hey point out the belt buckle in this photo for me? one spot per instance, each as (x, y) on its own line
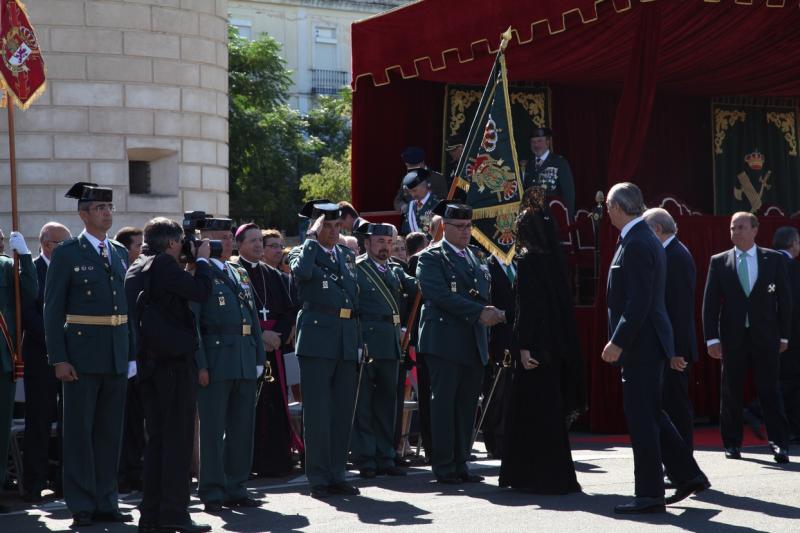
(396, 320)
(245, 330)
(344, 313)
(115, 320)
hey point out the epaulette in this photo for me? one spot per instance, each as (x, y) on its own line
(361, 258)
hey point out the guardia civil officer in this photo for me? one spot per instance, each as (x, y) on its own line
(230, 358)
(88, 342)
(380, 284)
(327, 346)
(453, 338)
(549, 170)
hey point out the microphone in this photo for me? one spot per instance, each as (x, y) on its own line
(597, 212)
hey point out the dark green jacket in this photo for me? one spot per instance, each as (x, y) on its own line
(224, 351)
(321, 282)
(379, 297)
(424, 215)
(79, 284)
(28, 288)
(455, 291)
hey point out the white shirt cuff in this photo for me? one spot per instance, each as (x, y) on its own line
(203, 259)
(712, 342)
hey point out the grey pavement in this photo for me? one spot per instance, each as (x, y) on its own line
(751, 495)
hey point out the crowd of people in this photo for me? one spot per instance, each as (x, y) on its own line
(160, 355)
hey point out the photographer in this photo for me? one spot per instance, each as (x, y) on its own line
(166, 338)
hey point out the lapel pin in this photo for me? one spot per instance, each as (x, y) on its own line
(771, 287)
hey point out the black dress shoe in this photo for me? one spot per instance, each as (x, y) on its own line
(779, 453)
(244, 501)
(148, 527)
(733, 453)
(470, 478)
(213, 507)
(449, 480)
(343, 488)
(319, 491)
(693, 486)
(34, 496)
(191, 527)
(641, 506)
(392, 471)
(111, 516)
(367, 473)
(82, 519)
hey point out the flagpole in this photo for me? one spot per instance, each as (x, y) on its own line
(12, 161)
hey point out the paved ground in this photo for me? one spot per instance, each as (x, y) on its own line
(752, 495)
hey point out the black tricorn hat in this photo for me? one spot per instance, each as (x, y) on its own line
(416, 177)
(413, 155)
(84, 191)
(315, 208)
(542, 132)
(373, 229)
(446, 209)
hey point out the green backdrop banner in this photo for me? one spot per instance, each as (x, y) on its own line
(756, 163)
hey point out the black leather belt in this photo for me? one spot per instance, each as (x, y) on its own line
(340, 312)
(240, 329)
(392, 319)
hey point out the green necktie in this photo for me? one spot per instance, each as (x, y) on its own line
(510, 273)
(744, 274)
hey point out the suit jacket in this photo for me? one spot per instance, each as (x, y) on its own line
(555, 176)
(34, 350)
(680, 298)
(27, 285)
(503, 297)
(325, 283)
(455, 292)
(768, 308)
(790, 359)
(228, 354)
(637, 314)
(380, 296)
(78, 283)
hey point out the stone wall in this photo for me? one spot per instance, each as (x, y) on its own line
(135, 79)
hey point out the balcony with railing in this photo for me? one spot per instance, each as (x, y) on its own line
(328, 81)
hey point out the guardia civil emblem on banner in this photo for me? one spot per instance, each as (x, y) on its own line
(21, 64)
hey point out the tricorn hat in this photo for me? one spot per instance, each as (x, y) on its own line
(379, 229)
(447, 209)
(416, 177)
(89, 192)
(315, 208)
(413, 155)
(542, 132)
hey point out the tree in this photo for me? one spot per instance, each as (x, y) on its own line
(331, 182)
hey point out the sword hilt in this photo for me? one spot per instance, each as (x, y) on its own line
(268, 377)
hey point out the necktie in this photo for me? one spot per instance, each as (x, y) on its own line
(333, 255)
(461, 253)
(510, 273)
(381, 268)
(103, 253)
(744, 274)
(538, 162)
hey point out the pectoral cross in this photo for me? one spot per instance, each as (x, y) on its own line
(263, 312)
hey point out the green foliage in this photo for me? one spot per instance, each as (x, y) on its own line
(330, 123)
(331, 182)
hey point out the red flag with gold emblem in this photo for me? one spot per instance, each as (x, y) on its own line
(21, 62)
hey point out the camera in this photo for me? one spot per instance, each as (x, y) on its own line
(194, 221)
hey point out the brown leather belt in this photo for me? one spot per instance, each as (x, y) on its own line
(97, 320)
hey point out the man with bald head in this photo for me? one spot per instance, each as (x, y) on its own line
(42, 389)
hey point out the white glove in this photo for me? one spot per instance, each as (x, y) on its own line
(259, 370)
(131, 369)
(17, 243)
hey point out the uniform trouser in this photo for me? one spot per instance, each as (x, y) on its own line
(654, 439)
(454, 400)
(227, 420)
(424, 398)
(133, 440)
(676, 402)
(765, 363)
(93, 410)
(329, 387)
(372, 442)
(7, 389)
(169, 399)
(41, 410)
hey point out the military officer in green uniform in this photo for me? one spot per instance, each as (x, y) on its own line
(230, 358)
(549, 171)
(380, 284)
(419, 211)
(453, 338)
(8, 332)
(88, 342)
(327, 346)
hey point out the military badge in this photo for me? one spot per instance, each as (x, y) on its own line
(221, 301)
(771, 288)
(494, 174)
(453, 286)
(325, 284)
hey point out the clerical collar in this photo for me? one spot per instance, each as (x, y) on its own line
(248, 263)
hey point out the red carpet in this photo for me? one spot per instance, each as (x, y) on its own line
(707, 436)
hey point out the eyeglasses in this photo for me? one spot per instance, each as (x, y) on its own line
(57, 243)
(274, 246)
(460, 227)
(101, 207)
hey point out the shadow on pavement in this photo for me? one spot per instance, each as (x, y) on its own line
(380, 512)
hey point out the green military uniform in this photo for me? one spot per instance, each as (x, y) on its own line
(327, 346)
(423, 216)
(379, 286)
(230, 349)
(454, 344)
(28, 288)
(85, 323)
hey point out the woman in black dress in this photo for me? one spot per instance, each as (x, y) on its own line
(547, 391)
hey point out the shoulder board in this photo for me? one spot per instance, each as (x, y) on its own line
(69, 242)
(361, 258)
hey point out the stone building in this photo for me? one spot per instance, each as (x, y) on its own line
(136, 100)
(315, 35)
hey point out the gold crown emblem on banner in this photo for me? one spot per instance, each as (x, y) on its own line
(754, 160)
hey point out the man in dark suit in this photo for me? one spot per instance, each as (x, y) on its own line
(679, 299)
(747, 313)
(787, 241)
(42, 389)
(641, 341)
(166, 380)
